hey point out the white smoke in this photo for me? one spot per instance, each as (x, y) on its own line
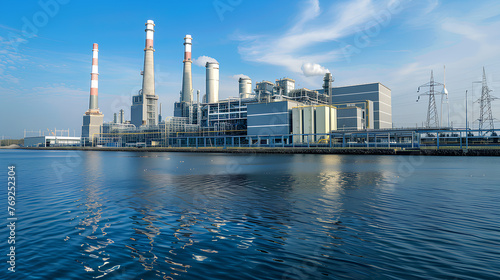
(202, 60)
(313, 69)
(238, 76)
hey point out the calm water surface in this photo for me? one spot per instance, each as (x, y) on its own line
(121, 215)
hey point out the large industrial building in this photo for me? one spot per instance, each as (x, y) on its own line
(51, 141)
(376, 93)
(277, 110)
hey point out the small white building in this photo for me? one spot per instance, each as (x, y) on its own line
(51, 141)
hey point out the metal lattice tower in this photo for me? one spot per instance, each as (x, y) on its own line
(432, 112)
(486, 116)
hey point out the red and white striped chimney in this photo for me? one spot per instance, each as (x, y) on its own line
(93, 106)
(187, 81)
(187, 47)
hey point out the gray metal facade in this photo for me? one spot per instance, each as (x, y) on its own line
(376, 92)
(269, 118)
(349, 118)
(137, 111)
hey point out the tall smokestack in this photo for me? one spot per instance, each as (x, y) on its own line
(93, 105)
(122, 116)
(212, 91)
(93, 118)
(327, 86)
(148, 79)
(187, 81)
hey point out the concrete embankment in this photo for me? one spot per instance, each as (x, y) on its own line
(278, 150)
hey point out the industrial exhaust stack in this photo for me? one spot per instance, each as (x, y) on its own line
(327, 86)
(212, 90)
(148, 78)
(122, 116)
(93, 118)
(93, 105)
(187, 82)
(145, 105)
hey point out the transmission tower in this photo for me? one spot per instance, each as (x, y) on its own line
(432, 113)
(486, 116)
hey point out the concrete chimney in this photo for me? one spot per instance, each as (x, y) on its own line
(144, 110)
(212, 91)
(187, 81)
(148, 78)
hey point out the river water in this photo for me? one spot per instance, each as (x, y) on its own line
(133, 215)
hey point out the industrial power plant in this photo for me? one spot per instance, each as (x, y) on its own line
(275, 114)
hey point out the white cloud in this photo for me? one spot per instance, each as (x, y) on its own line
(202, 60)
(292, 49)
(461, 28)
(9, 59)
(311, 11)
(238, 76)
(431, 6)
(313, 69)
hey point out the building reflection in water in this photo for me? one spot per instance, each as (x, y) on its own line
(145, 199)
(92, 226)
(187, 210)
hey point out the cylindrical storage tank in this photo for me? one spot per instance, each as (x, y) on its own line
(212, 90)
(245, 87)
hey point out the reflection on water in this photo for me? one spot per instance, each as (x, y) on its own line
(217, 216)
(94, 258)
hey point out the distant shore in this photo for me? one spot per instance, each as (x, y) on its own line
(13, 146)
(474, 151)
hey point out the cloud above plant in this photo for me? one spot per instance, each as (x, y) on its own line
(202, 60)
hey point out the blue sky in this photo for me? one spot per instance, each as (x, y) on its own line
(45, 70)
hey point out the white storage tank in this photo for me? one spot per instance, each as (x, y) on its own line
(245, 87)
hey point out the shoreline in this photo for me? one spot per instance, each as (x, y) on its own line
(280, 150)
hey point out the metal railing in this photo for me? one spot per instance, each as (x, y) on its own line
(406, 139)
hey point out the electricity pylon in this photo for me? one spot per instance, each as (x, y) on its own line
(432, 113)
(485, 116)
